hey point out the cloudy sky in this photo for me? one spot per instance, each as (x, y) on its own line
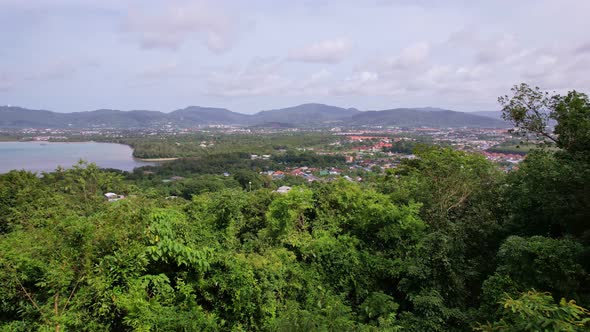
(78, 55)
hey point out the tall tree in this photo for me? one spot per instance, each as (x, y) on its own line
(532, 109)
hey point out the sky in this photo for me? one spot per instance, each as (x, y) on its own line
(252, 55)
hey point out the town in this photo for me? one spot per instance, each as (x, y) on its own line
(364, 150)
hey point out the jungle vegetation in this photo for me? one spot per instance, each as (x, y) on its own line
(445, 242)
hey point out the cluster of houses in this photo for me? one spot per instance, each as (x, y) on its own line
(476, 140)
(47, 138)
(382, 142)
(379, 146)
(503, 157)
(309, 173)
(205, 144)
(263, 157)
(470, 139)
(173, 178)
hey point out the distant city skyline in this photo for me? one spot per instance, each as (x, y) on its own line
(248, 56)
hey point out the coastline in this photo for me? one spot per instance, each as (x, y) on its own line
(92, 141)
(43, 156)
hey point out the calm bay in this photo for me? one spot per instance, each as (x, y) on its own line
(46, 156)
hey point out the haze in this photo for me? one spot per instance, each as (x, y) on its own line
(70, 55)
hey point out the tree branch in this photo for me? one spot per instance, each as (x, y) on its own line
(30, 298)
(71, 294)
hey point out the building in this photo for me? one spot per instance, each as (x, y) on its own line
(278, 175)
(283, 190)
(112, 197)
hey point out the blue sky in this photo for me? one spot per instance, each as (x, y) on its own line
(76, 55)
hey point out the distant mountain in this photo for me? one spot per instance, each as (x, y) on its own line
(273, 125)
(18, 117)
(489, 114)
(106, 118)
(498, 115)
(429, 109)
(196, 115)
(306, 115)
(409, 117)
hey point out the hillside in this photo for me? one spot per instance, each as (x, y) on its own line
(305, 115)
(407, 117)
(114, 118)
(196, 115)
(489, 114)
(18, 117)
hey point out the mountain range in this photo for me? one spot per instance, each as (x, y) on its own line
(490, 114)
(305, 115)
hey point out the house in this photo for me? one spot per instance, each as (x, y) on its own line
(335, 171)
(311, 178)
(112, 197)
(382, 145)
(283, 189)
(278, 175)
(297, 172)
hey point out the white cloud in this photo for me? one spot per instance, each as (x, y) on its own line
(6, 81)
(326, 51)
(367, 76)
(492, 51)
(258, 77)
(314, 84)
(413, 55)
(411, 59)
(417, 71)
(61, 69)
(413, 71)
(469, 72)
(160, 71)
(583, 49)
(180, 22)
(320, 76)
(487, 47)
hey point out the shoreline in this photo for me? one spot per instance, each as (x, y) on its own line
(92, 141)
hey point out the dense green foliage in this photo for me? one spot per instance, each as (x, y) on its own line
(208, 144)
(534, 311)
(445, 242)
(514, 147)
